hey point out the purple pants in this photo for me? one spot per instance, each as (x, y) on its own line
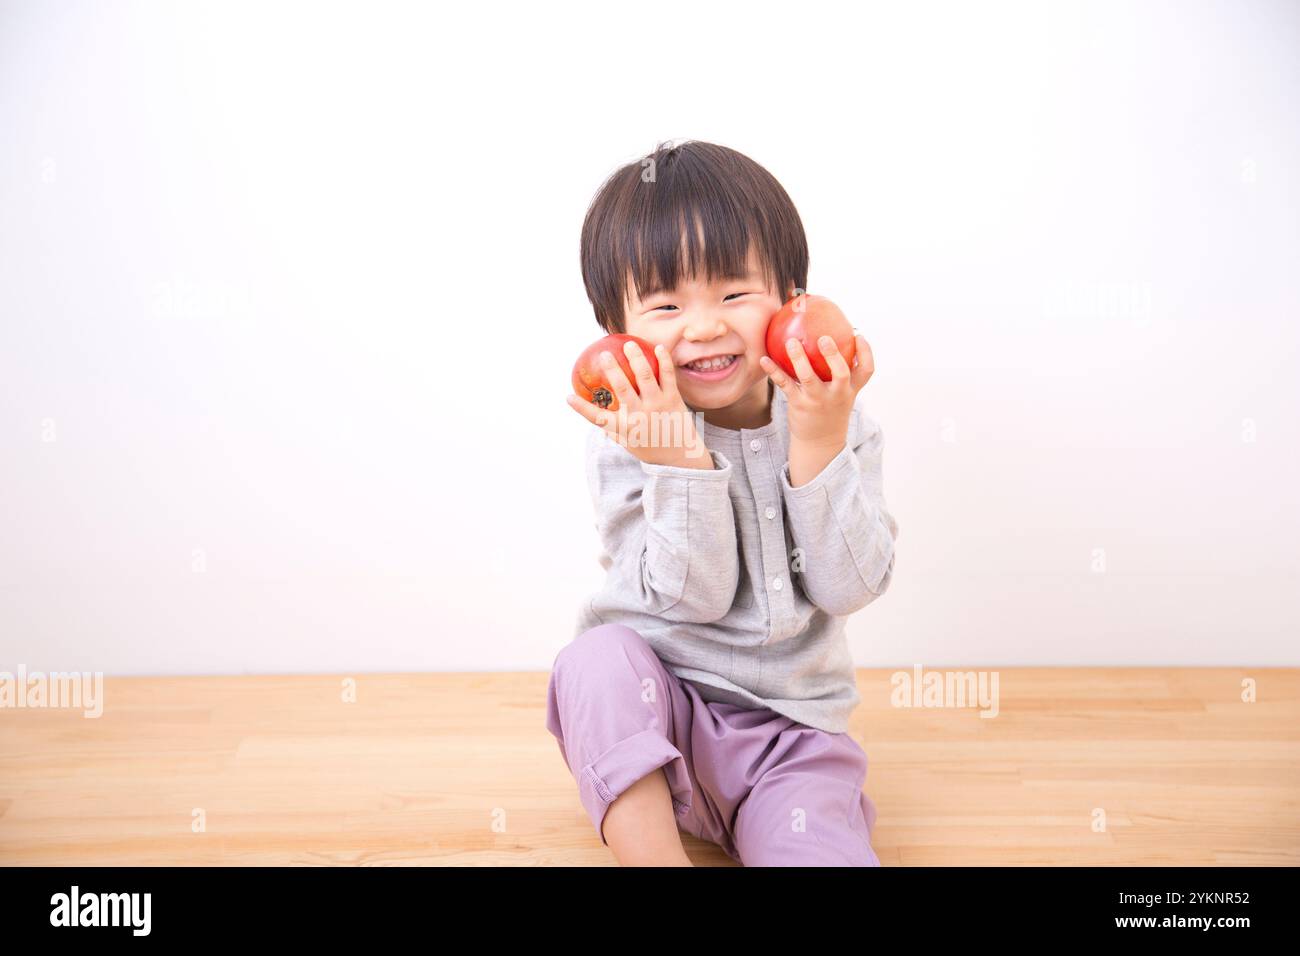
(767, 789)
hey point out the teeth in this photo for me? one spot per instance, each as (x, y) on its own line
(710, 364)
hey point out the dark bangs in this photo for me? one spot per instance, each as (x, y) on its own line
(683, 211)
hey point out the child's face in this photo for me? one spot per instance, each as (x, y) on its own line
(700, 319)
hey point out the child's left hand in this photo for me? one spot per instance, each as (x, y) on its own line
(819, 412)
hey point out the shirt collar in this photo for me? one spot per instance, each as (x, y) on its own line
(715, 435)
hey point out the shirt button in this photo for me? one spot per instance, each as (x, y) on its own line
(756, 444)
(770, 512)
(776, 584)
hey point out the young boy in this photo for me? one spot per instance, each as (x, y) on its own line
(709, 684)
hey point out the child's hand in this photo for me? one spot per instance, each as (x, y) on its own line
(818, 412)
(654, 425)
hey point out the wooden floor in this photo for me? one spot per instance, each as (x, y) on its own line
(459, 769)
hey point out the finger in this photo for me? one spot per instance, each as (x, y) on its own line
(803, 369)
(645, 376)
(667, 372)
(834, 359)
(591, 412)
(864, 363)
(613, 424)
(618, 382)
(774, 372)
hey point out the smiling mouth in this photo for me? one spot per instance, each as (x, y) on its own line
(715, 364)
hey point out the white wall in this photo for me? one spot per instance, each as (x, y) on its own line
(285, 290)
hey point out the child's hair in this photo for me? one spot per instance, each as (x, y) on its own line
(638, 221)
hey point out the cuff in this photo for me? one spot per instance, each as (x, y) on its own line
(721, 470)
(623, 764)
(834, 467)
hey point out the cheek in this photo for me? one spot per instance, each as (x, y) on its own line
(659, 335)
(754, 329)
(650, 331)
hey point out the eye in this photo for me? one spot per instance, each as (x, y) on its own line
(657, 308)
(734, 293)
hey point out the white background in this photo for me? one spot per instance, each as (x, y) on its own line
(289, 297)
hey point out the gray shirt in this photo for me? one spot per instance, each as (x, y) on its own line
(740, 582)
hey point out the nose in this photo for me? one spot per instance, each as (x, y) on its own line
(703, 329)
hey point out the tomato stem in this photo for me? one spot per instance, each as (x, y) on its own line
(602, 397)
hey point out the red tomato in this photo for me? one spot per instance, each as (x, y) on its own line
(807, 318)
(589, 380)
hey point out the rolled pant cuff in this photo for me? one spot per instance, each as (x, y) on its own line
(622, 765)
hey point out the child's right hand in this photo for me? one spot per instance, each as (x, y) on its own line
(652, 420)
